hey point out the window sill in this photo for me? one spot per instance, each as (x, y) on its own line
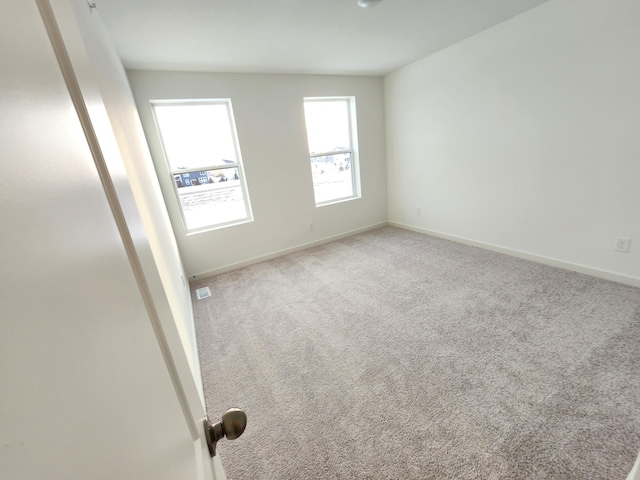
(337, 200)
(220, 226)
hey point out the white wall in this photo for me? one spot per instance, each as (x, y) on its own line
(526, 136)
(270, 122)
(114, 92)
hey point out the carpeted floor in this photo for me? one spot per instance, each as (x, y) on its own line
(395, 355)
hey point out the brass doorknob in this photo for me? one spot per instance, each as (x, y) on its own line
(232, 425)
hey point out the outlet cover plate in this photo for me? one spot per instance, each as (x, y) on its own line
(622, 244)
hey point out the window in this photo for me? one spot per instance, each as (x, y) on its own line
(201, 147)
(331, 127)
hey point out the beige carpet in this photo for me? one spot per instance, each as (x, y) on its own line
(394, 355)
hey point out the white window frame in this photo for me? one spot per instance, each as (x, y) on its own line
(237, 164)
(353, 149)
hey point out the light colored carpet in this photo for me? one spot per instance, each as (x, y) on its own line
(395, 355)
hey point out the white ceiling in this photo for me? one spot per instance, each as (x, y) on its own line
(294, 36)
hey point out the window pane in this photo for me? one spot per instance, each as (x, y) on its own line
(327, 125)
(210, 199)
(196, 135)
(329, 132)
(200, 145)
(332, 177)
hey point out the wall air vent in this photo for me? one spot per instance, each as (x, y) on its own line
(203, 292)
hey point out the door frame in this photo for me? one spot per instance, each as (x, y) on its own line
(61, 19)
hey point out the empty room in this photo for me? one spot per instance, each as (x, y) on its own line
(360, 239)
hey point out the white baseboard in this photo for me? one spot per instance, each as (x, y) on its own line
(616, 277)
(280, 253)
(634, 474)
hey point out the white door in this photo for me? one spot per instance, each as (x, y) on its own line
(95, 383)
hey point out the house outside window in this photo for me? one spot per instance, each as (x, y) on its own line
(201, 147)
(332, 141)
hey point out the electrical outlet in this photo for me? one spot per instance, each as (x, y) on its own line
(418, 211)
(311, 226)
(622, 244)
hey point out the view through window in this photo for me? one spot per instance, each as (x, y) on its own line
(331, 135)
(201, 148)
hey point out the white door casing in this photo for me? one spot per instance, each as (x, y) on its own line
(96, 383)
(108, 74)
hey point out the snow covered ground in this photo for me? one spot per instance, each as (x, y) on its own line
(223, 202)
(212, 204)
(331, 181)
